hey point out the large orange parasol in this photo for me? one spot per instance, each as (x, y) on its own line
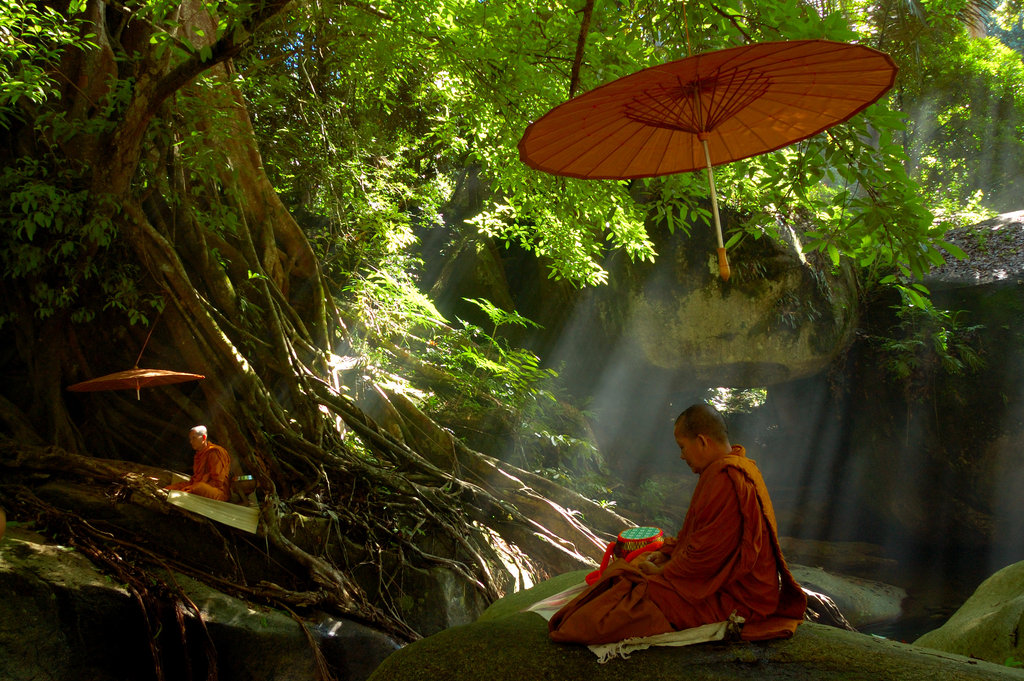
(708, 109)
(134, 379)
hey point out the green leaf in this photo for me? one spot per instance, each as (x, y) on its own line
(833, 254)
(915, 299)
(934, 257)
(953, 250)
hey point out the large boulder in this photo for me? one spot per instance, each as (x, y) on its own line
(946, 435)
(779, 317)
(894, 448)
(989, 624)
(512, 645)
(862, 602)
(63, 620)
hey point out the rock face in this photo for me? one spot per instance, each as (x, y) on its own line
(515, 647)
(988, 626)
(862, 601)
(949, 440)
(63, 620)
(890, 448)
(778, 318)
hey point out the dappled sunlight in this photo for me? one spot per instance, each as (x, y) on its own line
(842, 467)
(728, 400)
(511, 558)
(331, 627)
(333, 213)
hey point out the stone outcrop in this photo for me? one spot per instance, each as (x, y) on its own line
(779, 317)
(988, 626)
(63, 620)
(514, 646)
(948, 438)
(862, 601)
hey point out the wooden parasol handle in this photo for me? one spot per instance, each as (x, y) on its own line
(723, 262)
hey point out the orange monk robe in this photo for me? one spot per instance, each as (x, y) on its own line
(725, 559)
(211, 473)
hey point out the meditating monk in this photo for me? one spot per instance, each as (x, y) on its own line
(726, 558)
(211, 468)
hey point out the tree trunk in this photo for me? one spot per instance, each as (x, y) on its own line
(244, 303)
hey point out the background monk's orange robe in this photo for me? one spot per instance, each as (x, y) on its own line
(211, 473)
(725, 559)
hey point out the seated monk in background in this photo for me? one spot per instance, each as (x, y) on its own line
(211, 468)
(726, 558)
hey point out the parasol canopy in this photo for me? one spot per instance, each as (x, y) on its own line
(706, 110)
(134, 379)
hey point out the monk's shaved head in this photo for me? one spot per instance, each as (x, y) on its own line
(702, 419)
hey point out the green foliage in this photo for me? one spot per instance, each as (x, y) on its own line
(54, 241)
(58, 236)
(470, 376)
(369, 116)
(391, 304)
(500, 317)
(736, 400)
(967, 123)
(439, 87)
(1007, 24)
(344, 137)
(428, 90)
(488, 366)
(927, 340)
(32, 40)
(375, 118)
(952, 213)
(479, 364)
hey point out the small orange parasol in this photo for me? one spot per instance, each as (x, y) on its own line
(708, 109)
(134, 379)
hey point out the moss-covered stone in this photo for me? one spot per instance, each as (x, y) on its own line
(516, 648)
(988, 624)
(507, 644)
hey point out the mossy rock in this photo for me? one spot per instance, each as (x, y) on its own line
(988, 625)
(514, 603)
(508, 644)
